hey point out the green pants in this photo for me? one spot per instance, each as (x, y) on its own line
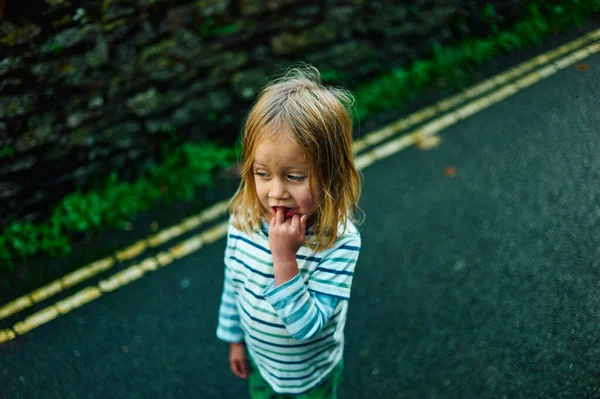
(260, 389)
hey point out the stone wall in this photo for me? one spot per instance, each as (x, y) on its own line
(87, 87)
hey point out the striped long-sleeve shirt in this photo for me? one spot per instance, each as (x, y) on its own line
(294, 332)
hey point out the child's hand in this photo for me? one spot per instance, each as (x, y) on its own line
(286, 236)
(238, 359)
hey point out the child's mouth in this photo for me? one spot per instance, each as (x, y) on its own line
(289, 212)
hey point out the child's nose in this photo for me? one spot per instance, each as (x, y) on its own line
(278, 190)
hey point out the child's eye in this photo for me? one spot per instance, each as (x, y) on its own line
(261, 174)
(296, 178)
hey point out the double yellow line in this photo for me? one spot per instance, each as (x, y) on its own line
(502, 84)
(118, 279)
(440, 116)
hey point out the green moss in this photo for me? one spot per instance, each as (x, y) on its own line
(210, 28)
(57, 2)
(20, 35)
(158, 50)
(7, 151)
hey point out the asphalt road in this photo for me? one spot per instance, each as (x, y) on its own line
(485, 284)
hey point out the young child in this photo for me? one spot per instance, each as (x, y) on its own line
(292, 246)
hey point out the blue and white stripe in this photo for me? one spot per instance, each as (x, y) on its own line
(294, 332)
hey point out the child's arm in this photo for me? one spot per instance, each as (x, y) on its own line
(304, 313)
(228, 328)
(306, 308)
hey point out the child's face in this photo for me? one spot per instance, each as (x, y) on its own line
(281, 179)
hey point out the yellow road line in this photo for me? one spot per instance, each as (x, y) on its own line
(435, 126)
(6, 335)
(134, 272)
(444, 105)
(115, 281)
(55, 287)
(86, 272)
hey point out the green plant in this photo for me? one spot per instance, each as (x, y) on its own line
(452, 64)
(210, 28)
(509, 41)
(7, 151)
(56, 48)
(225, 29)
(183, 171)
(421, 73)
(488, 13)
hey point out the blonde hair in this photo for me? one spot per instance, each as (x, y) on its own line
(317, 118)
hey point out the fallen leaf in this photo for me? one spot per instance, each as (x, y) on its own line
(427, 143)
(582, 67)
(450, 171)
